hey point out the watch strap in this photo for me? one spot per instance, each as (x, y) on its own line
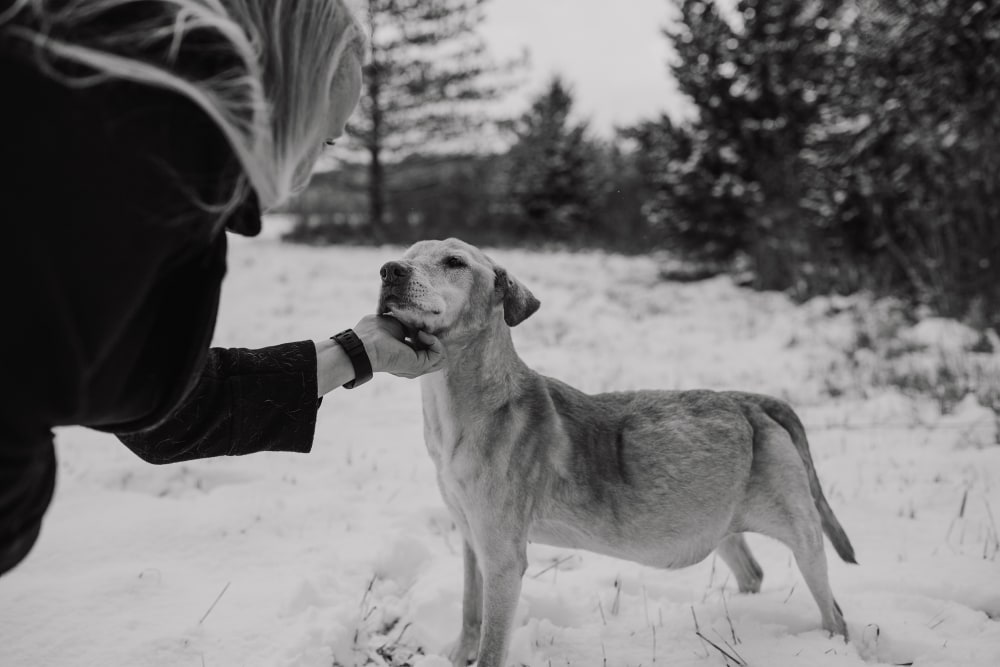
(355, 350)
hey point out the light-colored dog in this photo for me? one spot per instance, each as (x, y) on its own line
(658, 477)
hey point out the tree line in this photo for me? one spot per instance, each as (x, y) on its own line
(836, 145)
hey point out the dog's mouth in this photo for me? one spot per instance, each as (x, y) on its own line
(407, 313)
(411, 319)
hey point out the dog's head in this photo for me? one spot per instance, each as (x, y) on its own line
(450, 288)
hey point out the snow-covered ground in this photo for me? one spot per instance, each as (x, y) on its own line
(347, 556)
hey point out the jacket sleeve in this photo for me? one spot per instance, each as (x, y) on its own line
(244, 401)
(27, 481)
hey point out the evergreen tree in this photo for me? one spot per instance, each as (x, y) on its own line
(911, 152)
(427, 70)
(731, 179)
(552, 180)
(618, 219)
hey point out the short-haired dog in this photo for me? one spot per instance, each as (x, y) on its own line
(661, 478)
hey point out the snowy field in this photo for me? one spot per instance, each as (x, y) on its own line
(347, 556)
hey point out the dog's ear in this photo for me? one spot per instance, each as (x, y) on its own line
(518, 301)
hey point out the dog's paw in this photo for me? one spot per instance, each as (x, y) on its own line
(464, 650)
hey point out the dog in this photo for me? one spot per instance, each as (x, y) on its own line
(661, 478)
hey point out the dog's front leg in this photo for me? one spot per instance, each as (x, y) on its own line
(502, 569)
(466, 647)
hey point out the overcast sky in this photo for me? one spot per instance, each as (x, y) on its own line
(612, 52)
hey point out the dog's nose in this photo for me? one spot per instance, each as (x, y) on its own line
(394, 271)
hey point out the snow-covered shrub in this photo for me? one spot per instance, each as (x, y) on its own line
(930, 356)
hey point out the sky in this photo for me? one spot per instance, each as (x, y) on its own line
(613, 54)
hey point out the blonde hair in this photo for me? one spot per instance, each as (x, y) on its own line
(271, 98)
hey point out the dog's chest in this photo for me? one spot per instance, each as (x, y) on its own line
(442, 431)
(455, 472)
(447, 436)
(456, 445)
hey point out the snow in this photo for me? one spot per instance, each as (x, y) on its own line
(347, 556)
(941, 332)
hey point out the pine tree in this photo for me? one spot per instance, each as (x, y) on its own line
(912, 152)
(552, 180)
(731, 178)
(427, 74)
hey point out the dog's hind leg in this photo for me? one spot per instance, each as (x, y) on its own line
(779, 504)
(799, 528)
(811, 559)
(465, 650)
(733, 550)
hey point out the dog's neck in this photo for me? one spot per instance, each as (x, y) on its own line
(483, 368)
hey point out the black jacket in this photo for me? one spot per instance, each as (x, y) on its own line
(110, 271)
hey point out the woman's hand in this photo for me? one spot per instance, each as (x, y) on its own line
(390, 352)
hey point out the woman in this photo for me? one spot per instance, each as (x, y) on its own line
(135, 133)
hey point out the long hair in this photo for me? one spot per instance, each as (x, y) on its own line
(269, 86)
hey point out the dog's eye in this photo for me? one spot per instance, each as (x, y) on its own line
(454, 262)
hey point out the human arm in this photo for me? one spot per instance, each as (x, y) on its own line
(249, 401)
(244, 401)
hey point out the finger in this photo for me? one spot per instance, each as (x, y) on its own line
(431, 342)
(416, 344)
(434, 354)
(419, 348)
(436, 363)
(392, 326)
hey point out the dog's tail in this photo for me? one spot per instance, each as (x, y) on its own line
(782, 413)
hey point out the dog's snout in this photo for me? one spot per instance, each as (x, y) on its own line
(394, 271)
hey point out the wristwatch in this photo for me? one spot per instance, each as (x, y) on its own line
(355, 350)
